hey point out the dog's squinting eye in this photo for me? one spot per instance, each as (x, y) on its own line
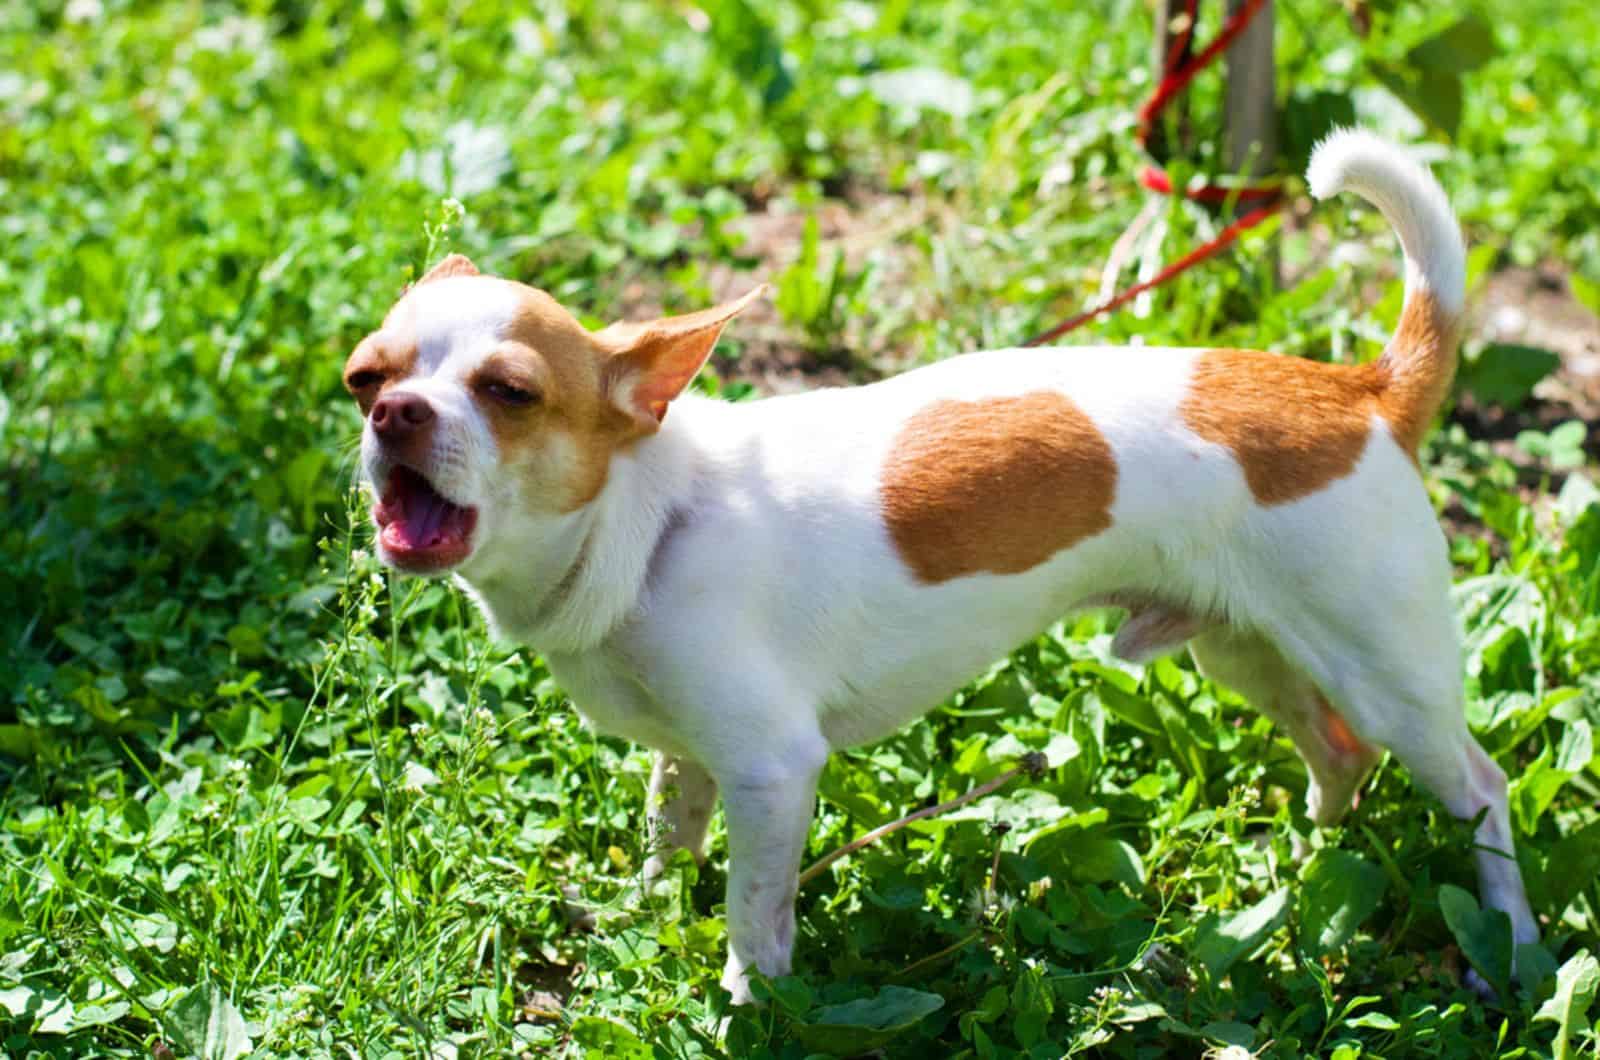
(508, 394)
(362, 380)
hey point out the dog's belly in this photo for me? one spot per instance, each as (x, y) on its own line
(929, 642)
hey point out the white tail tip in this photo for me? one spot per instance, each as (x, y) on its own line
(1406, 193)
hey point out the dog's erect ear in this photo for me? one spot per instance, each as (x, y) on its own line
(453, 265)
(651, 363)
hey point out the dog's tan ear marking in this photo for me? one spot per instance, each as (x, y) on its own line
(452, 265)
(652, 363)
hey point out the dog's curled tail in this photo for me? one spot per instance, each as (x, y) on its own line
(1420, 360)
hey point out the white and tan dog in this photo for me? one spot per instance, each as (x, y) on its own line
(748, 587)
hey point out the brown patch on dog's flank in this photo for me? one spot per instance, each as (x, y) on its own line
(1293, 425)
(996, 486)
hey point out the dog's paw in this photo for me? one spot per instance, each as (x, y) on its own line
(737, 983)
(738, 986)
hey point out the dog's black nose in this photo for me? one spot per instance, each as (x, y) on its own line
(397, 416)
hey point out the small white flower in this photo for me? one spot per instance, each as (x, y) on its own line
(83, 10)
(418, 777)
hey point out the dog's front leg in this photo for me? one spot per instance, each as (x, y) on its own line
(768, 804)
(679, 809)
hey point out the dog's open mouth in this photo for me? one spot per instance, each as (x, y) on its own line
(419, 529)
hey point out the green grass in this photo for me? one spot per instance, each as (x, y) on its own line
(254, 788)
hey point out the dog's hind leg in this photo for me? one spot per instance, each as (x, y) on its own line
(679, 809)
(1411, 704)
(1336, 759)
(1394, 672)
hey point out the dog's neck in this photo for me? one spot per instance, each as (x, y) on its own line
(567, 581)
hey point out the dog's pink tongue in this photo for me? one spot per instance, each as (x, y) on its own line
(425, 513)
(425, 519)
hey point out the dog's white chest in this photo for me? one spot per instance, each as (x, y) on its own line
(612, 701)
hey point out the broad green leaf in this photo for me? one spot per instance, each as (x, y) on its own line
(792, 993)
(1561, 447)
(1434, 96)
(1133, 709)
(1222, 939)
(1484, 935)
(751, 48)
(1505, 374)
(1534, 965)
(1586, 291)
(853, 790)
(867, 1023)
(1460, 48)
(1571, 864)
(1578, 494)
(1577, 748)
(245, 725)
(1568, 1007)
(1099, 859)
(153, 930)
(1229, 1032)
(1376, 1021)
(1181, 732)
(99, 1015)
(1492, 605)
(42, 1009)
(603, 1037)
(1338, 890)
(1533, 790)
(206, 1023)
(306, 812)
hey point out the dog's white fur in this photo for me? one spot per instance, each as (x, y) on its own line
(732, 598)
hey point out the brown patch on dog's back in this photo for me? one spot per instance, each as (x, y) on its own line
(995, 486)
(1293, 425)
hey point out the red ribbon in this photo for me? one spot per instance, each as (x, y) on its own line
(1268, 198)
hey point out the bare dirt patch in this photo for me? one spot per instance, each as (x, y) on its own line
(1535, 307)
(777, 356)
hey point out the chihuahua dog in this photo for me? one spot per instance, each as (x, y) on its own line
(747, 587)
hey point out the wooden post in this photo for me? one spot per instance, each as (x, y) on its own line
(1252, 97)
(1171, 20)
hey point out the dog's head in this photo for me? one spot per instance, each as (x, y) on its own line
(488, 407)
